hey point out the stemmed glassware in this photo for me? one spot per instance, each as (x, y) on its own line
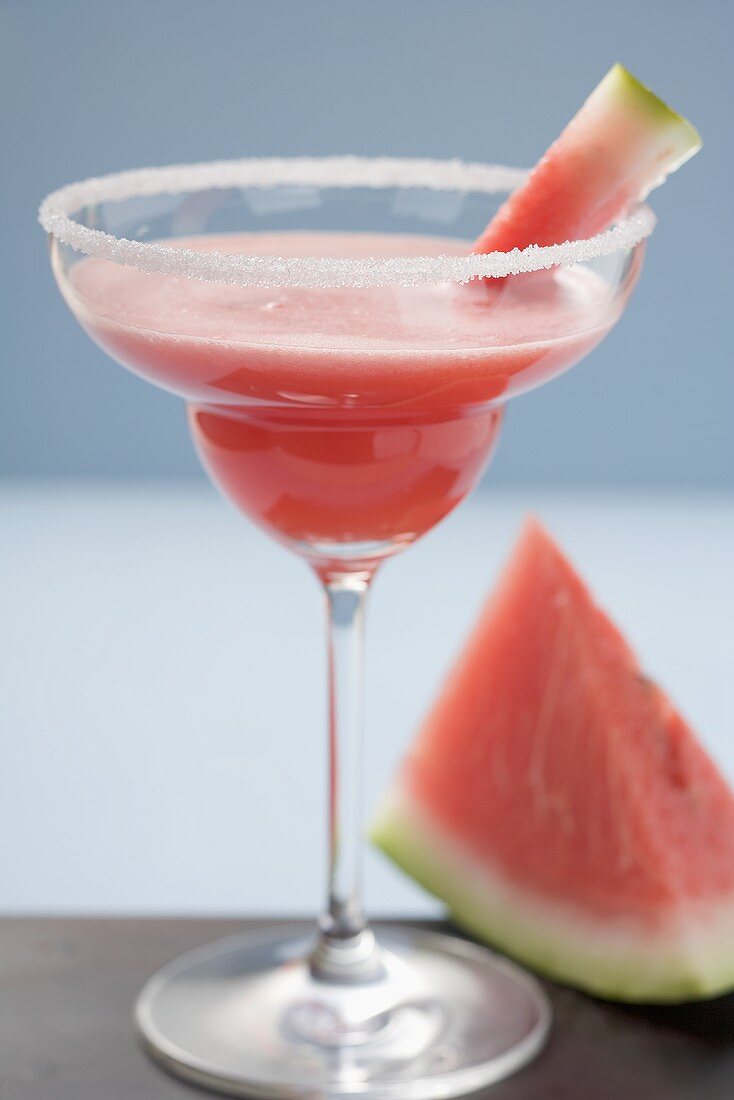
(346, 361)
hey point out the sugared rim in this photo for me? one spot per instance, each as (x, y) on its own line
(57, 210)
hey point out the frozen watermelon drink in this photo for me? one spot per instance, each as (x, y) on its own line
(348, 415)
(346, 333)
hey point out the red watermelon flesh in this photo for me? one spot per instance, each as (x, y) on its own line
(560, 805)
(621, 144)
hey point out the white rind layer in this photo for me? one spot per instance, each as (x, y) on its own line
(637, 108)
(690, 958)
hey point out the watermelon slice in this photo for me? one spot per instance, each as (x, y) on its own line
(561, 807)
(622, 143)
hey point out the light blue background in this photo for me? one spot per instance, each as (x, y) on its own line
(92, 86)
(163, 704)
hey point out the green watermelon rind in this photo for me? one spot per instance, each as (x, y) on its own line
(624, 88)
(693, 963)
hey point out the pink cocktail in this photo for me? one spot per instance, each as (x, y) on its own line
(349, 415)
(346, 362)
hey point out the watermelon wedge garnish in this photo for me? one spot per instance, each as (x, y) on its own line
(622, 143)
(561, 806)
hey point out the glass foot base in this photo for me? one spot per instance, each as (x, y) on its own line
(244, 1016)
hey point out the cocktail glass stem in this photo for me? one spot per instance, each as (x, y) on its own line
(345, 950)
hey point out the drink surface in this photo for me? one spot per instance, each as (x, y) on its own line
(342, 416)
(364, 346)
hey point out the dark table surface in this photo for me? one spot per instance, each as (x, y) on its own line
(67, 987)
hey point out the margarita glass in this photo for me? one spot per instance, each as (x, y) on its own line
(346, 361)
